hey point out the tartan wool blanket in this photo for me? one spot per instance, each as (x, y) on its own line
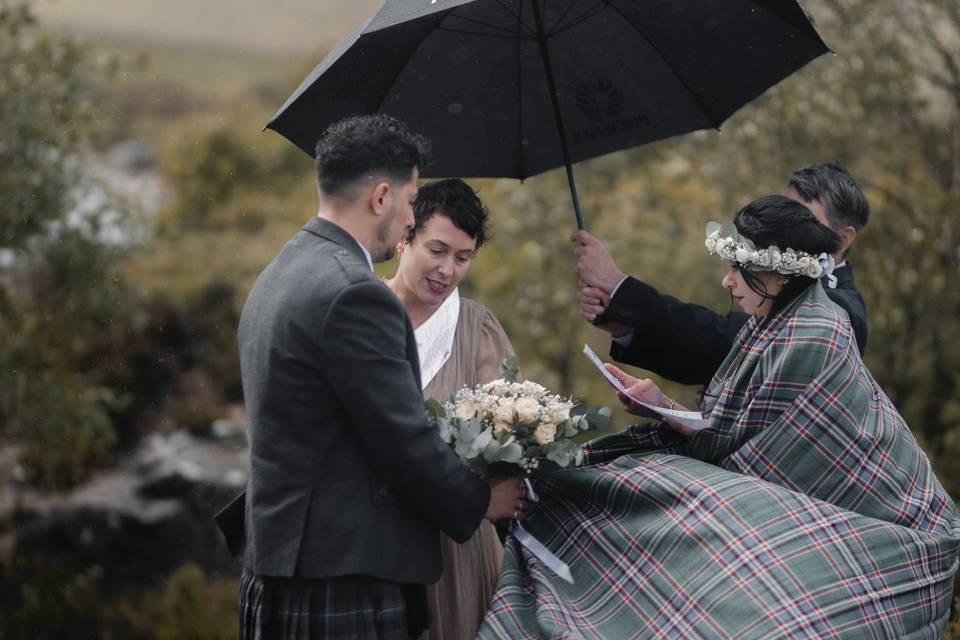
(805, 510)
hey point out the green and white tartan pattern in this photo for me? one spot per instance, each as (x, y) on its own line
(805, 510)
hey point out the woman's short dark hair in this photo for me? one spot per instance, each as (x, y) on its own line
(786, 224)
(361, 146)
(455, 199)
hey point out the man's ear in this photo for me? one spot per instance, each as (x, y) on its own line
(380, 196)
(847, 236)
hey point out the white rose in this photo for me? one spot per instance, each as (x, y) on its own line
(528, 410)
(533, 389)
(763, 258)
(489, 405)
(789, 260)
(505, 410)
(813, 270)
(711, 242)
(466, 410)
(545, 433)
(744, 255)
(558, 413)
(726, 250)
(493, 386)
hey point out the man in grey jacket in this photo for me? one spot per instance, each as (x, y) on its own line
(349, 486)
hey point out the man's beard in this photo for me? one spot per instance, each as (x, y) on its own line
(386, 249)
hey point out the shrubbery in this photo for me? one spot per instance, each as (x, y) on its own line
(44, 599)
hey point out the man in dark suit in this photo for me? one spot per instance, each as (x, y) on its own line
(349, 486)
(686, 342)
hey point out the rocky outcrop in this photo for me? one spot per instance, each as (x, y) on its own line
(142, 519)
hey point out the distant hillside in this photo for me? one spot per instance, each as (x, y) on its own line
(272, 27)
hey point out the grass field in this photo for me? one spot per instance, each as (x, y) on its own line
(188, 62)
(189, 59)
(274, 27)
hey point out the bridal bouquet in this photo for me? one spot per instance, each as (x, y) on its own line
(515, 424)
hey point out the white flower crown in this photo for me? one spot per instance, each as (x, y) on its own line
(724, 241)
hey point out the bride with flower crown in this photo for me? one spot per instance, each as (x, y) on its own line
(804, 509)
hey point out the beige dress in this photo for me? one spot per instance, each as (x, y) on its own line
(470, 570)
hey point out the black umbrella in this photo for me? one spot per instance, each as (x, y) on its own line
(511, 88)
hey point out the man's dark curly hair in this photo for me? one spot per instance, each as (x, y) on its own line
(362, 146)
(455, 199)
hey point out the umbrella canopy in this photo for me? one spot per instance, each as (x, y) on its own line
(511, 88)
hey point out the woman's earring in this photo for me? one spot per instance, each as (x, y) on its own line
(399, 249)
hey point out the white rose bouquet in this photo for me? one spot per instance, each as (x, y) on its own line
(514, 424)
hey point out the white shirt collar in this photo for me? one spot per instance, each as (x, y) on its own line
(366, 254)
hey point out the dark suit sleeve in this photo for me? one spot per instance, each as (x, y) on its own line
(364, 342)
(678, 340)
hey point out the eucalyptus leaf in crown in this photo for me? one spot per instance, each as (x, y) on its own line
(517, 425)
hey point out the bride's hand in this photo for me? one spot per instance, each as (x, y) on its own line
(625, 378)
(641, 389)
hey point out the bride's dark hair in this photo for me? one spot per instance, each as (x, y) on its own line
(786, 224)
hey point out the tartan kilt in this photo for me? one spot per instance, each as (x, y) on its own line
(303, 609)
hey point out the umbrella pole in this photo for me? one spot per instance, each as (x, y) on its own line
(545, 55)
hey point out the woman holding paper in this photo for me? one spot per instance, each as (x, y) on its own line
(460, 343)
(804, 509)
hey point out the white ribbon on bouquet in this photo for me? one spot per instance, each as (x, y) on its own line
(537, 548)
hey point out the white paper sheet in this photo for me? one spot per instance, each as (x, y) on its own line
(690, 419)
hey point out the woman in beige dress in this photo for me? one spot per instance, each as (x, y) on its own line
(460, 343)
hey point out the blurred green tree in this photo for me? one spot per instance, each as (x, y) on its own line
(50, 96)
(64, 309)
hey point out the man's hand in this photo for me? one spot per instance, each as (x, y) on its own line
(593, 302)
(507, 498)
(594, 265)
